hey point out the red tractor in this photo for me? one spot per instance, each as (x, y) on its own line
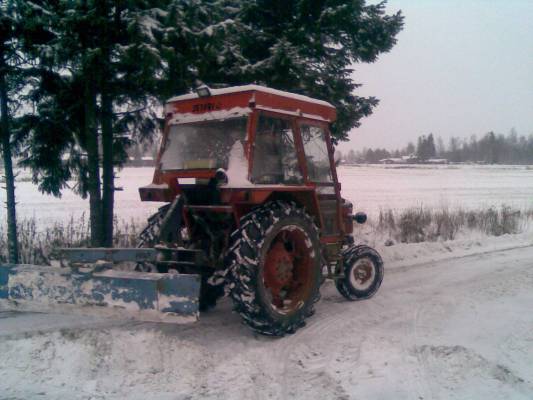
(254, 205)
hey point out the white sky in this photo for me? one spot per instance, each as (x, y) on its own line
(459, 68)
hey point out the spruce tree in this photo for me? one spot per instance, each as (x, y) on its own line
(302, 46)
(431, 151)
(92, 94)
(20, 34)
(8, 75)
(311, 48)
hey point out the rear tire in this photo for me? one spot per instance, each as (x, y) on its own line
(362, 270)
(274, 268)
(149, 236)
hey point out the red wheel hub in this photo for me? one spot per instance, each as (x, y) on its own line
(278, 267)
(287, 274)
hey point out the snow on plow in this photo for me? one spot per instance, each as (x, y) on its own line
(98, 289)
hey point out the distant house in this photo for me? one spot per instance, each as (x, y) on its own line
(410, 159)
(437, 161)
(391, 160)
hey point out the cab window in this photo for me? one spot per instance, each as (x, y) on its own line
(316, 154)
(275, 160)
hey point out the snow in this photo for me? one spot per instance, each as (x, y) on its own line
(237, 171)
(250, 88)
(156, 186)
(211, 28)
(218, 115)
(294, 113)
(148, 25)
(459, 328)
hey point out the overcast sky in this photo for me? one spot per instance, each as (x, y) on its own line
(461, 67)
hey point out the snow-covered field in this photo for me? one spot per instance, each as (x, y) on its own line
(375, 187)
(49, 210)
(369, 187)
(452, 320)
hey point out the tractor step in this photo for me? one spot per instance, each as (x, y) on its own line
(156, 297)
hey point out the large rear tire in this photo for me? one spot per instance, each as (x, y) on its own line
(362, 273)
(274, 268)
(149, 236)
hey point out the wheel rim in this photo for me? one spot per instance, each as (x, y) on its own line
(288, 270)
(362, 274)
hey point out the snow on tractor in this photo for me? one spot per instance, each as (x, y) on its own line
(253, 209)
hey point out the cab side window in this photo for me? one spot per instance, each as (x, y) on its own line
(316, 154)
(275, 160)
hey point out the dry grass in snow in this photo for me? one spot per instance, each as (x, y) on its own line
(413, 225)
(36, 245)
(419, 224)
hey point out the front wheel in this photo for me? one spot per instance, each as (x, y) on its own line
(274, 268)
(361, 273)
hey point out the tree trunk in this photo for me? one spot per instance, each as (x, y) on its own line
(12, 240)
(108, 196)
(93, 161)
(106, 120)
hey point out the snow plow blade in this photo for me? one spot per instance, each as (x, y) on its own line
(100, 290)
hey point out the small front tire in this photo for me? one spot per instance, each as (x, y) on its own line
(362, 273)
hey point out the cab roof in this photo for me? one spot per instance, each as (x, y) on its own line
(252, 96)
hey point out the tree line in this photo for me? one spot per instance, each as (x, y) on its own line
(491, 148)
(81, 80)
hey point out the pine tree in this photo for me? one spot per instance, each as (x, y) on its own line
(8, 73)
(410, 149)
(421, 147)
(302, 46)
(440, 148)
(18, 37)
(97, 85)
(431, 152)
(351, 157)
(426, 147)
(310, 48)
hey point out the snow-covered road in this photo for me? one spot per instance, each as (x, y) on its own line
(460, 328)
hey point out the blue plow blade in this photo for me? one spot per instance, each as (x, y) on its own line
(158, 297)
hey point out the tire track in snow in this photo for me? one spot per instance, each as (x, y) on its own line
(309, 352)
(423, 378)
(302, 352)
(451, 366)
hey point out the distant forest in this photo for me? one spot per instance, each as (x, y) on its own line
(490, 149)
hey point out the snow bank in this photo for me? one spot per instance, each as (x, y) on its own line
(406, 254)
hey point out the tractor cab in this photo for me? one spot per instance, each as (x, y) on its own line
(242, 146)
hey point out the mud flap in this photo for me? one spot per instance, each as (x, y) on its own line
(155, 297)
